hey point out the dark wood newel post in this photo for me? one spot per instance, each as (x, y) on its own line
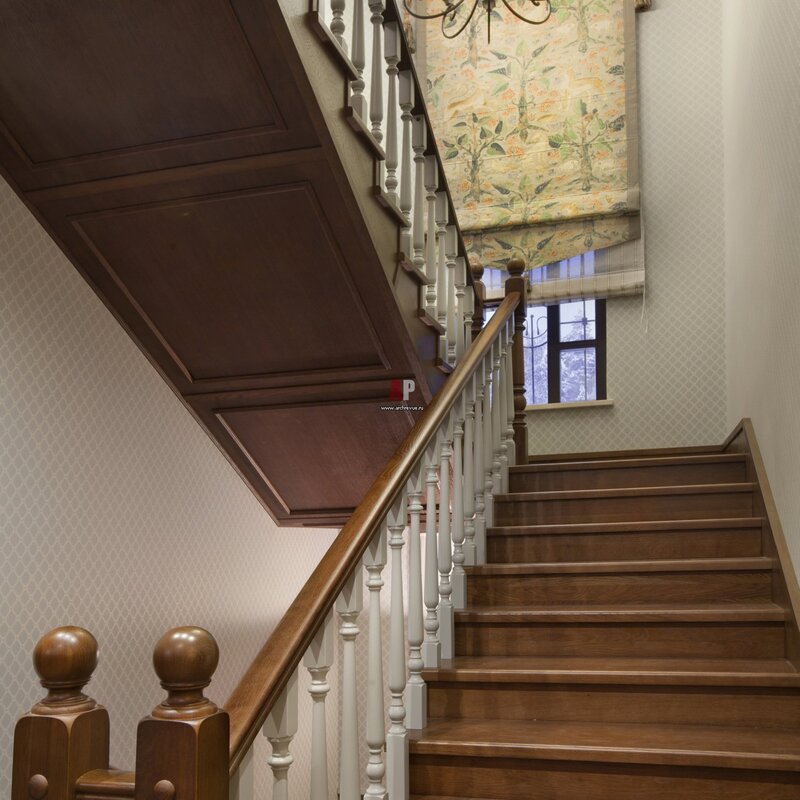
(480, 298)
(182, 747)
(66, 734)
(518, 283)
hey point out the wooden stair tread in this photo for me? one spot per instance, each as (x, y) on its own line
(608, 455)
(569, 528)
(639, 671)
(650, 612)
(629, 463)
(684, 745)
(614, 567)
(638, 491)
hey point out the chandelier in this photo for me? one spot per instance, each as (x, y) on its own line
(452, 26)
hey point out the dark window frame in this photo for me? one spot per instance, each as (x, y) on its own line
(555, 347)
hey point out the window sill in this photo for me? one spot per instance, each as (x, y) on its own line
(564, 406)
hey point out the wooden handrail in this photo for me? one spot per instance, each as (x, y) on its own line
(252, 700)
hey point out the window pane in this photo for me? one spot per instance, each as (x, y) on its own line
(578, 321)
(535, 344)
(578, 375)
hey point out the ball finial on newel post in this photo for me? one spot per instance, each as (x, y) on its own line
(65, 659)
(182, 747)
(516, 267)
(185, 660)
(66, 734)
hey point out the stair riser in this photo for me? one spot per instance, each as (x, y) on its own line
(666, 705)
(635, 640)
(686, 587)
(622, 546)
(624, 509)
(512, 779)
(620, 478)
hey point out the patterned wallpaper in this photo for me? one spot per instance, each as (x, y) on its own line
(762, 191)
(666, 352)
(117, 512)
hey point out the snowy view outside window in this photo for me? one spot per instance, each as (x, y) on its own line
(577, 366)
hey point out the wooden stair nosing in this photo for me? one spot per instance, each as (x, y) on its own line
(668, 745)
(761, 673)
(628, 463)
(670, 613)
(739, 564)
(626, 526)
(637, 491)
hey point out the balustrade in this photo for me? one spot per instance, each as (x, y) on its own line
(385, 106)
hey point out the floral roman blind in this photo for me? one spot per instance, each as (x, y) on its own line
(538, 129)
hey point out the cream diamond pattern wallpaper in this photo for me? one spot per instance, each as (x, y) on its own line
(666, 352)
(117, 512)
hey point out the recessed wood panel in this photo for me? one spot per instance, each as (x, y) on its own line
(318, 457)
(223, 281)
(188, 61)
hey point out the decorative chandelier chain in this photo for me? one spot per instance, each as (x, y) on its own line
(448, 15)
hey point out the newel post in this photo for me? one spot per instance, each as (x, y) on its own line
(66, 734)
(480, 296)
(518, 283)
(182, 747)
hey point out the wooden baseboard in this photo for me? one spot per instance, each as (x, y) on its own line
(785, 588)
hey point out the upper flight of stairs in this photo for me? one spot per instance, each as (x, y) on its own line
(625, 641)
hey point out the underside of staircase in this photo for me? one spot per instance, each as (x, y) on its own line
(631, 636)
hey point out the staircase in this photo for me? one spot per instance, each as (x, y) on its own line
(624, 640)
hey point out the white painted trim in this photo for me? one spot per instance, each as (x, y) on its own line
(564, 406)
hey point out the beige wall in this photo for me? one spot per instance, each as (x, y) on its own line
(666, 374)
(762, 198)
(117, 512)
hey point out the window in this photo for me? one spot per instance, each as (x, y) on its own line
(570, 366)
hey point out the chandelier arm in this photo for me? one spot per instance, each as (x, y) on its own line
(531, 21)
(466, 22)
(442, 14)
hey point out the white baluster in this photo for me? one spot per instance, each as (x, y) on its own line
(318, 661)
(377, 9)
(416, 690)
(348, 606)
(431, 647)
(480, 496)
(357, 100)
(511, 447)
(460, 286)
(406, 86)
(498, 431)
(419, 143)
(445, 552)
(374, 562)
(337, 22)
(488, 442)
(501, 412)
(451, 252)
(242, 786)
(469, 313)
(469, 473)
(280, 728)
(392, 34)
(458, 578)
(442, 218)
(397, 737)
(431, 185)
